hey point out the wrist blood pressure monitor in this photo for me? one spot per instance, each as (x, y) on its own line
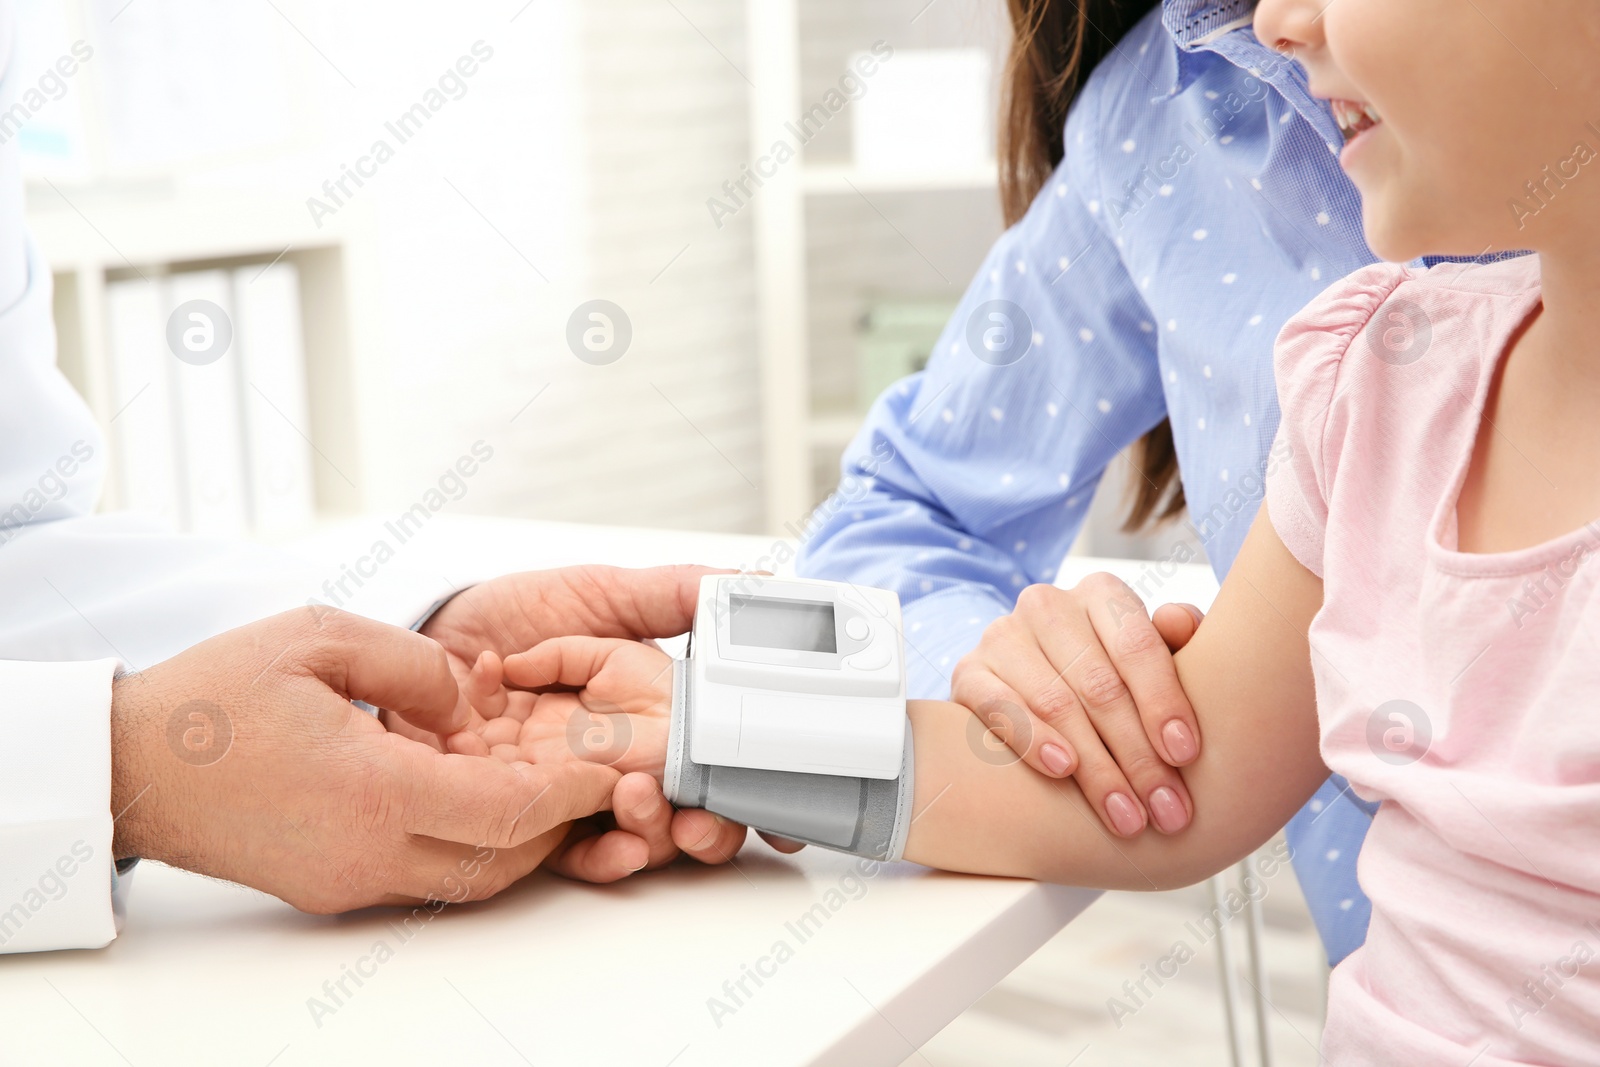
(789, 712)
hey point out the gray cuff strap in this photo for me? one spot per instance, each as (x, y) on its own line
(864, 816)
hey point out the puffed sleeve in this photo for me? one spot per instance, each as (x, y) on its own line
(1308, 361)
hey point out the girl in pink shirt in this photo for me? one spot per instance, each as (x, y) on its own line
(1416, 608)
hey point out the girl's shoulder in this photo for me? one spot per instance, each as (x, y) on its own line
(1381, 331)
(1389, 360)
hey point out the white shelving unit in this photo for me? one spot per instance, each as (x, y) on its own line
(774, 51)
(837, 178)
(795, 432)
(91, 235)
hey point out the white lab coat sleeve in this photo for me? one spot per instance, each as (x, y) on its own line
(57, 875)
(56, 869)
(81, 593)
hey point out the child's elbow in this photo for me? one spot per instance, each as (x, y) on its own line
(1158, 865)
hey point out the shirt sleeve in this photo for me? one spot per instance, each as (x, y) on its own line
(56, 869)
(971, 479)
(1314, 399)
(79, 593)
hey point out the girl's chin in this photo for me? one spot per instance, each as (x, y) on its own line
(1388, 236)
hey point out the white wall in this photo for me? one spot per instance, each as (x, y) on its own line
(590, 144)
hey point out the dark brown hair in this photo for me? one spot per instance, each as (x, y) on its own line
(1054, 46)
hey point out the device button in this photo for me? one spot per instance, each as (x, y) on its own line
(871, 658)
(857, 629)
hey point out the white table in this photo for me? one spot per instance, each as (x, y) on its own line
(549, 972)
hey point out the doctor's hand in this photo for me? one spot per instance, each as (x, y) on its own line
(1082, 682)
(517, 611)
(243, 758)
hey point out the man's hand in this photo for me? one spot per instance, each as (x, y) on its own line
(243, 758)
(1082, 682)
(513, 613)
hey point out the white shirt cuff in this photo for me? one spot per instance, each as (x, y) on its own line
(56, 869)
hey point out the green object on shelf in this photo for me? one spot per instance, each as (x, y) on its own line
(894, 339)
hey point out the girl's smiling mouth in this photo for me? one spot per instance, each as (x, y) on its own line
(1354, 118)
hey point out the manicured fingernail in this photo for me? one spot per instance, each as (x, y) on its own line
(1168, 811)
(1180, 741)
(1125, 816)
(1055, 760)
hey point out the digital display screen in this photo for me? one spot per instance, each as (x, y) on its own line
(766, 622)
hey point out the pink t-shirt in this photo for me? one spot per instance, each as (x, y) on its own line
(1460, 690)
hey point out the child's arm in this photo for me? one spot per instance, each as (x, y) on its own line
(1247, 672)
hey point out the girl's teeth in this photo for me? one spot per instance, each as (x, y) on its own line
(1355, 118)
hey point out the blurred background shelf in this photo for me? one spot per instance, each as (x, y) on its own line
(845, 178)
(836, 239)
(830, 431)
(163, 235)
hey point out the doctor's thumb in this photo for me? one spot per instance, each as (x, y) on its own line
(387, 667)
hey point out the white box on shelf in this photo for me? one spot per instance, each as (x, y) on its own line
(277, 424)
(925, 110)
(143, 416)
(210, 426)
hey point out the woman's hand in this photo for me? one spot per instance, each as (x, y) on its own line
(1082, 682)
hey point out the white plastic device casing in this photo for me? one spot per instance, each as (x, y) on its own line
(840, 712)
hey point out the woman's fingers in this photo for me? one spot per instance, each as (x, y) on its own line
(1039, 684)
(1012, 689)
(1095, 669)
(1140, 659)
(1177, 623)
(1095, 676)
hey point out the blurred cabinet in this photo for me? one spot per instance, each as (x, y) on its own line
(134, 100)
(288, 355)
(842, 251)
